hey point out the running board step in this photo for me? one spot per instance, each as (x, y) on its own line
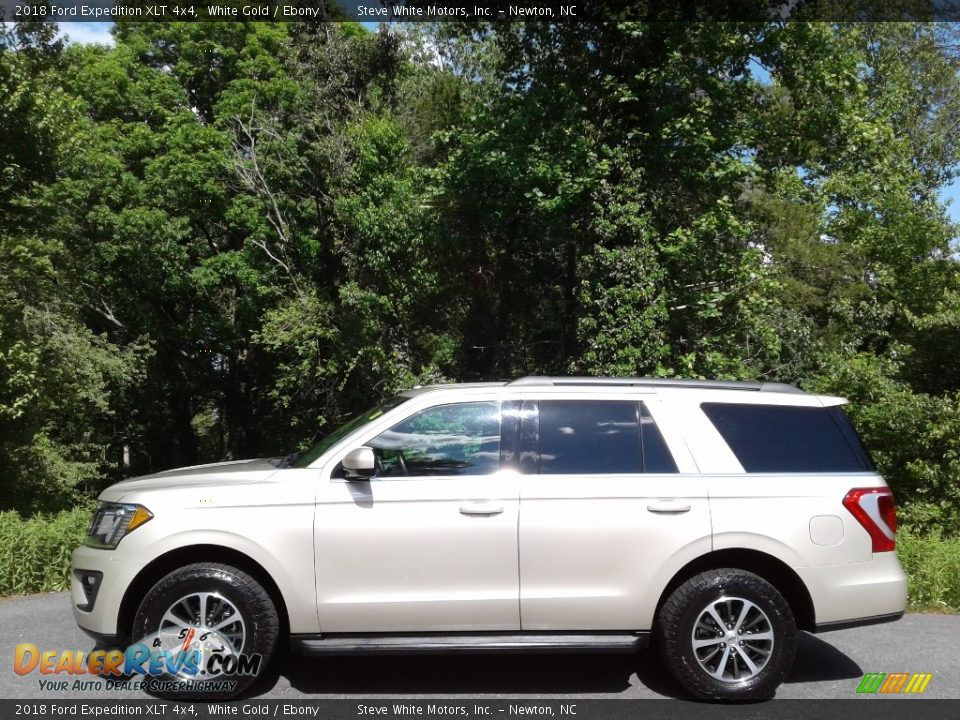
(341, 644)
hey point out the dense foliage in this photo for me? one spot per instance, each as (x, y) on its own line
(221, 240)
(35, 553)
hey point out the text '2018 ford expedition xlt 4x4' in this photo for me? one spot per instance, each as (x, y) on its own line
(540, 514)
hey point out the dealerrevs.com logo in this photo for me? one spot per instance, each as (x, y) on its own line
(894, 683)
(199, 662)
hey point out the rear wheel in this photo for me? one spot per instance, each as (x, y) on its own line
(728, 635)
(209, 624)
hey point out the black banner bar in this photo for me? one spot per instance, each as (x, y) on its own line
(484, 709)
(393, 11)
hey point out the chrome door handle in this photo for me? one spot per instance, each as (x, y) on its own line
(669, 507)
(480, 508)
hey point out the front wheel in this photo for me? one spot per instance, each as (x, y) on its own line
(210, 631)
(728, 635)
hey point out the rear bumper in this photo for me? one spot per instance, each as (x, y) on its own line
(859, 622)
(857, 593)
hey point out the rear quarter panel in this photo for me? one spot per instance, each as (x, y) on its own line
(773, 513)
(797, 518)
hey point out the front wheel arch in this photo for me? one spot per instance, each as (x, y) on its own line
(191, 555)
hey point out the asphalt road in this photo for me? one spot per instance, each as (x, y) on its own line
(828, 665)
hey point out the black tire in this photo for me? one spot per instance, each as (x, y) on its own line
(256, 609)
(736, 589)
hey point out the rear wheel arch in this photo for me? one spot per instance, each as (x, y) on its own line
(773, 570)
(164, 564)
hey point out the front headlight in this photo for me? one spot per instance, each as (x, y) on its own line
(111, 523)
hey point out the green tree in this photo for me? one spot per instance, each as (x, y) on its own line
(61, 383)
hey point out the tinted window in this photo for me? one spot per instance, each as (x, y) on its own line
(458, 439)
(778, 438)
(304, 459)
(856, 444)
(578, 437)
(656, 456)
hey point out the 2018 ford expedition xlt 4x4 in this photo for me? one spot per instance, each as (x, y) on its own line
(539, 514)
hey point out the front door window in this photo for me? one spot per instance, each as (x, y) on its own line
(447, 440)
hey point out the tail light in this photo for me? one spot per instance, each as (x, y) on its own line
(874, 509)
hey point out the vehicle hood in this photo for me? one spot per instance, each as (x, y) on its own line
(215, 474)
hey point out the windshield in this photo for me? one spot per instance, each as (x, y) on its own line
(304, 459)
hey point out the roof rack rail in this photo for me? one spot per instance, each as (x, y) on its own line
(534, 380)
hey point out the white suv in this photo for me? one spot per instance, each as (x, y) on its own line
(546, 513)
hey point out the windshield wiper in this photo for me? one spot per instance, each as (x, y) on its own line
(287, 461)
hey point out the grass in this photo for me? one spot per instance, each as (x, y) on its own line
(933, 566)
(35, 551)
(35, 557)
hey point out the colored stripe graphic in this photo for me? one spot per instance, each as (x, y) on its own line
(871, 682)
(893, 683)
(918, 683)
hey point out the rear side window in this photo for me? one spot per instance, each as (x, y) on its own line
(782, 438)
(579, 437)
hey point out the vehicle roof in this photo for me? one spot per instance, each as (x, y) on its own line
(601, 382)
(420, 389)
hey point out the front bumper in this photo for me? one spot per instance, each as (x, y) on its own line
(97, 610)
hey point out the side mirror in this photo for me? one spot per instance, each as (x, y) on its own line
(360, 463)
